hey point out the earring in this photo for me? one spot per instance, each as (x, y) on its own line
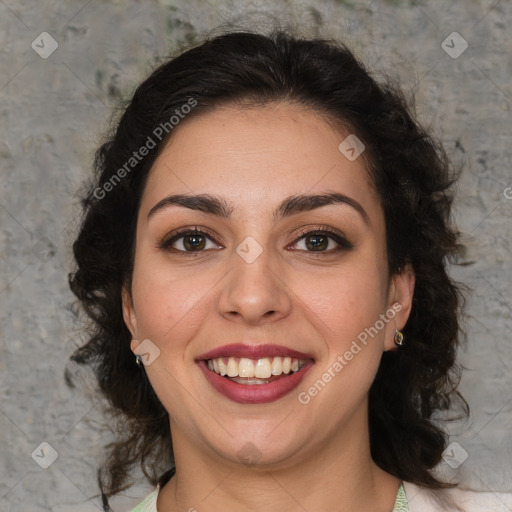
(138, 360)
(398, 338)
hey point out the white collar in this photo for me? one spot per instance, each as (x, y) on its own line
(420, 499)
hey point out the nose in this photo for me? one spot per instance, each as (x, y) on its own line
(255, 292)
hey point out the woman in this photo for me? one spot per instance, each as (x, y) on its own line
(263, 258)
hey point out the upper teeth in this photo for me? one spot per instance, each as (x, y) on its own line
(260, 368)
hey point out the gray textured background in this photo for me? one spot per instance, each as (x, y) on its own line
(52, 114)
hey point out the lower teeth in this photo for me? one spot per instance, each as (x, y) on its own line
(249, 381)
(255, 381)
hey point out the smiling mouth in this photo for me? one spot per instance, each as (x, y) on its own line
(247, 371)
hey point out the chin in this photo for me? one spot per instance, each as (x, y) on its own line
(259, 447)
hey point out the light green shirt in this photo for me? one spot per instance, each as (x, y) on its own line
(149, 504)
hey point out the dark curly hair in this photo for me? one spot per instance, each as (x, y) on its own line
(409, 169)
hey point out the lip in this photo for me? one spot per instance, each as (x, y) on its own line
(253, 352)
(257, 393)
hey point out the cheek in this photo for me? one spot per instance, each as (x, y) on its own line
(344, 302)
(167, 305)
(345, 309)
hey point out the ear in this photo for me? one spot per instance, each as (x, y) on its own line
(129, 316)
(401, 292)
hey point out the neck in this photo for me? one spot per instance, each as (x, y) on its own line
(339, 475)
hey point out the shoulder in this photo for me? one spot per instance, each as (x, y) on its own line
(419, 499)
(149, 503)
(455, 500)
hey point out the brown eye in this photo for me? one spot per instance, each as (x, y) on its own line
(189, 241)
(194, 242)
(323, 241)
(317, 242)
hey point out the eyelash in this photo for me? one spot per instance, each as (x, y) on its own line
(343, 243)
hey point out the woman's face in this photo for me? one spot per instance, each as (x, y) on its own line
(253, 295)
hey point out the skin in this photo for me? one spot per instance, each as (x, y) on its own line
(310, 457)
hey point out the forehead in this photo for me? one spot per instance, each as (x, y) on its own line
(256, 156)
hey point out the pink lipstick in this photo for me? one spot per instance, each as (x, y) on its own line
(254, 374)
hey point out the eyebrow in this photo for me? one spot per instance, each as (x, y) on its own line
(214, 205)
